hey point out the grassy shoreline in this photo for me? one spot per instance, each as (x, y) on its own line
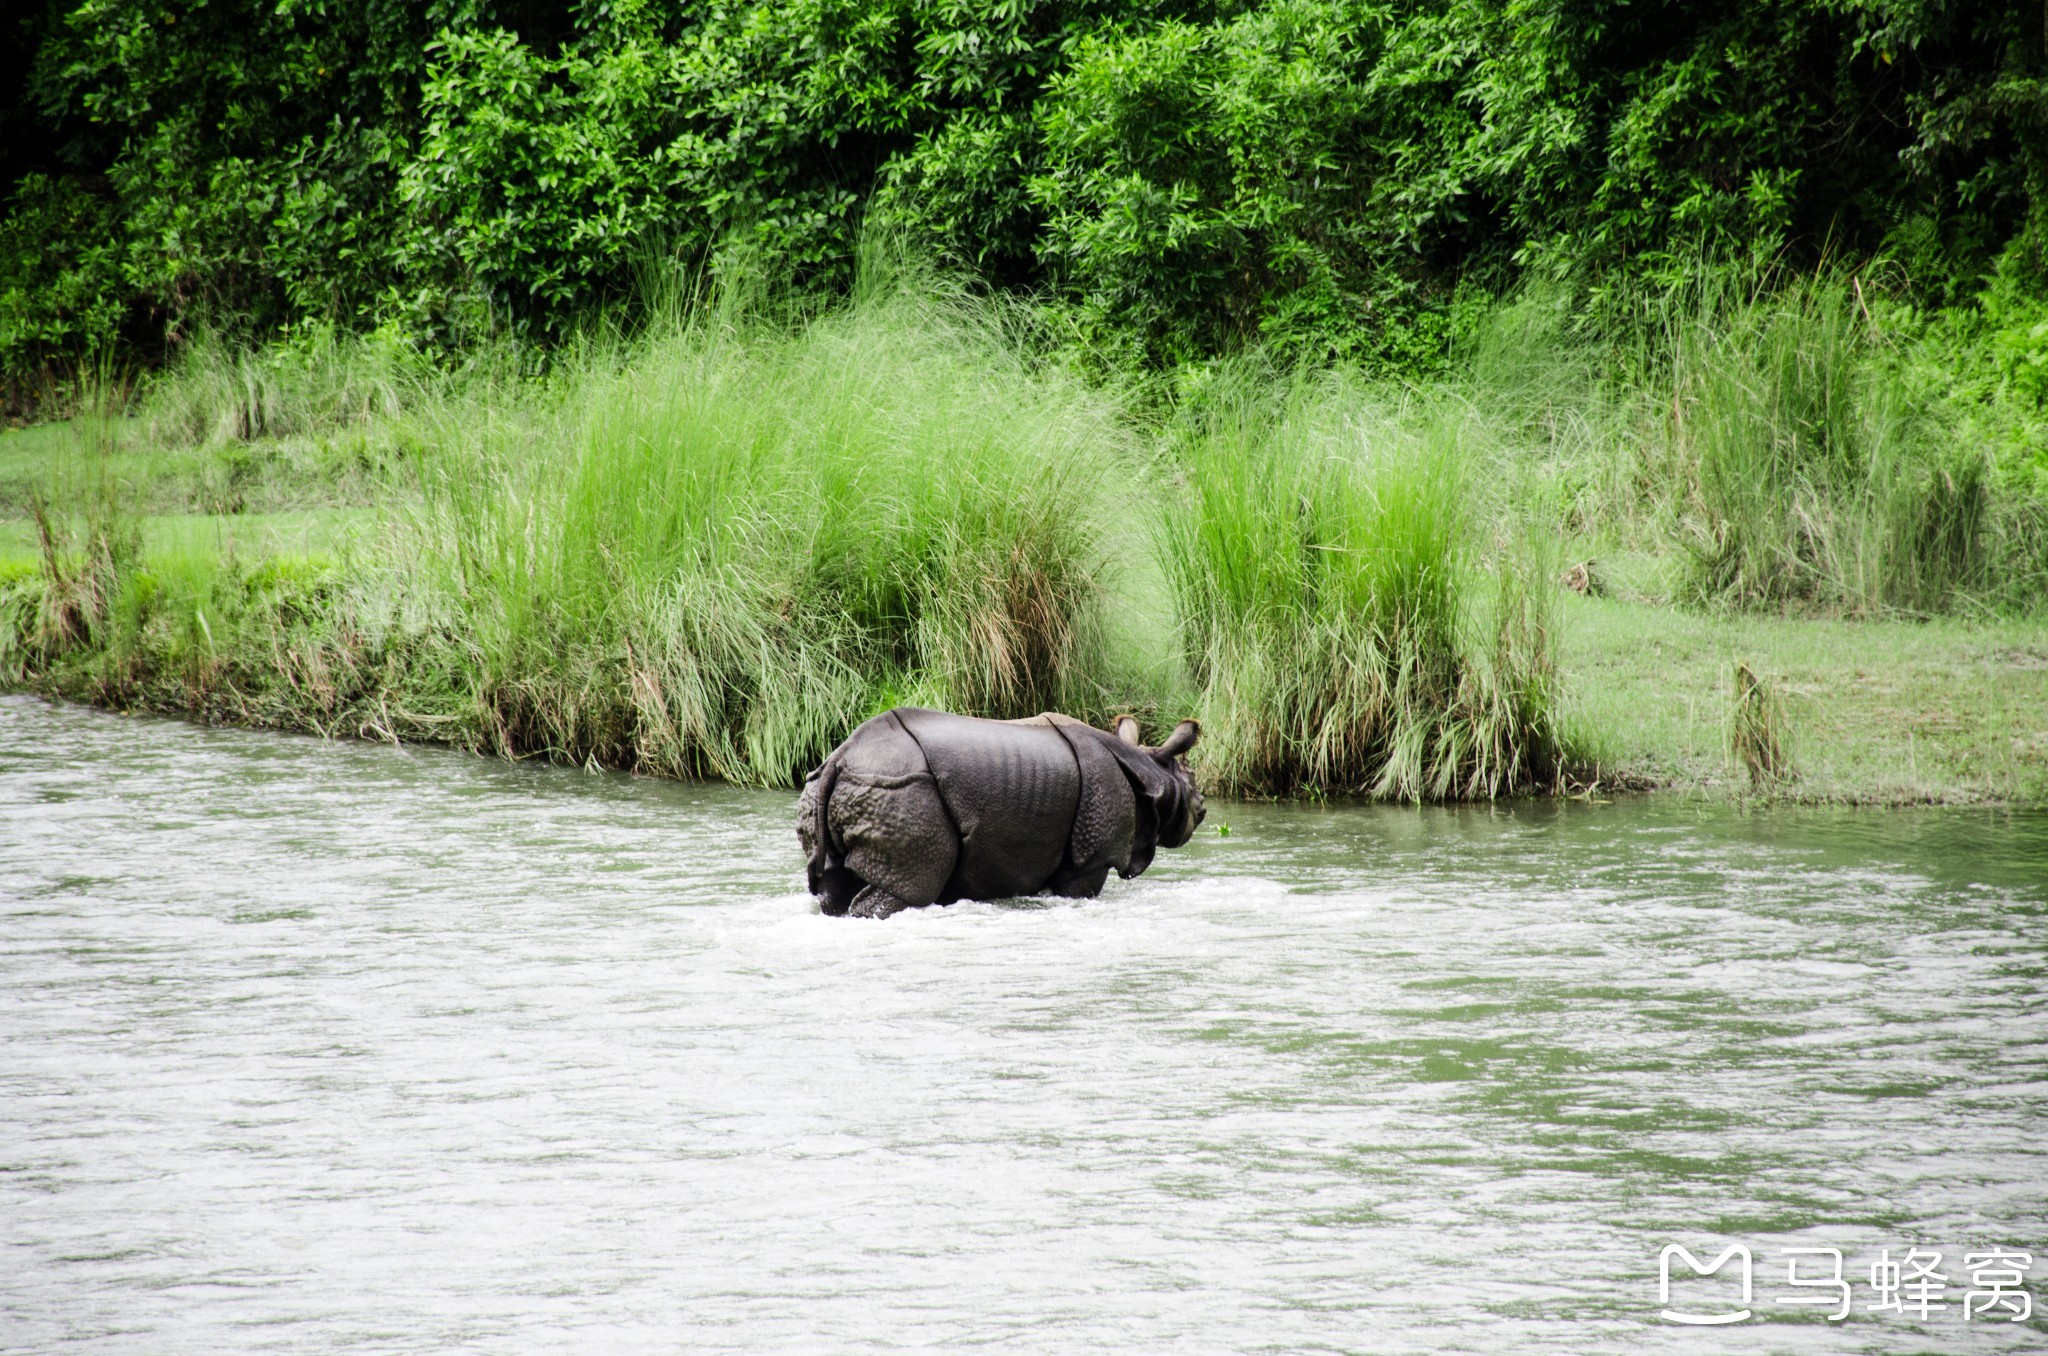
(1877, 712)
(1881, 713)
(710, 548)
(711, 551)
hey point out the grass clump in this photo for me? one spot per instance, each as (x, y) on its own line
(1807, 476)
(713, 551)
(1341, 629)
(1756, 729)
(314, 380)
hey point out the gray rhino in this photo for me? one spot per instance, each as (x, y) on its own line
(922, 807)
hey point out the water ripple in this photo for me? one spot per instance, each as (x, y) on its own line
(315, 1047)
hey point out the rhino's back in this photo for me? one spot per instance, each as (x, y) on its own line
(1011, 787)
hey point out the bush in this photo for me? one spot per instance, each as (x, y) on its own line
(1317, 175)
(62, 297)
(1206, 185)
(1342, 631)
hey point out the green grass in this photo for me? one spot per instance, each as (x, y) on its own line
(313, 532)
(26, 456)
(315, 382)
(1873, 711)
(711, 546)
(1340, 626)
(338, 469)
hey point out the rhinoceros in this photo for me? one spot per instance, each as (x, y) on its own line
(922, 807)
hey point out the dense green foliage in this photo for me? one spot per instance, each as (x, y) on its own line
(715, 548)
(1339, 624)
(1319, 174)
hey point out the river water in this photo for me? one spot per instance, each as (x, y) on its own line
(339, 1048)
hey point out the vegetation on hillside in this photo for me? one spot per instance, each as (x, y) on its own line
(1329, 177)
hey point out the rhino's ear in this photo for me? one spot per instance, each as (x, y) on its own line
(1125, 728)
(1184, 736)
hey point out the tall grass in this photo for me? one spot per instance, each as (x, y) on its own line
(709, 543)
(86, 539)
(315, 380)
(1342, 630)
(737, 539)
(1754, 440)
(1806, 474)
(705, 549)
(711, 546)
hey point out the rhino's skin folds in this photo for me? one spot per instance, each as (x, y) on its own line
(923, 807)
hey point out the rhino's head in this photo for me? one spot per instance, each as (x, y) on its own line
(1176, 805)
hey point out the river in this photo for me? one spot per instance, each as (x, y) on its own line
(323, 1047)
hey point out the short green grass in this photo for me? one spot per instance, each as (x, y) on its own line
(305, 532)
(26, 455)
(1876, 711)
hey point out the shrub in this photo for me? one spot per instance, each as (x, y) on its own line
(1808, 477)
(61, 293)
(1316, 174)
(1340, 627)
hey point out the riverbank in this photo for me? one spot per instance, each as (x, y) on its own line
(1877, 712)
(706, 551)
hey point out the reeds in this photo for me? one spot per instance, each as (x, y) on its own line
(711, 544)
(87, 536)
(1776, 441)
(707, 549)
(1803, 473)
(1341, 628)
